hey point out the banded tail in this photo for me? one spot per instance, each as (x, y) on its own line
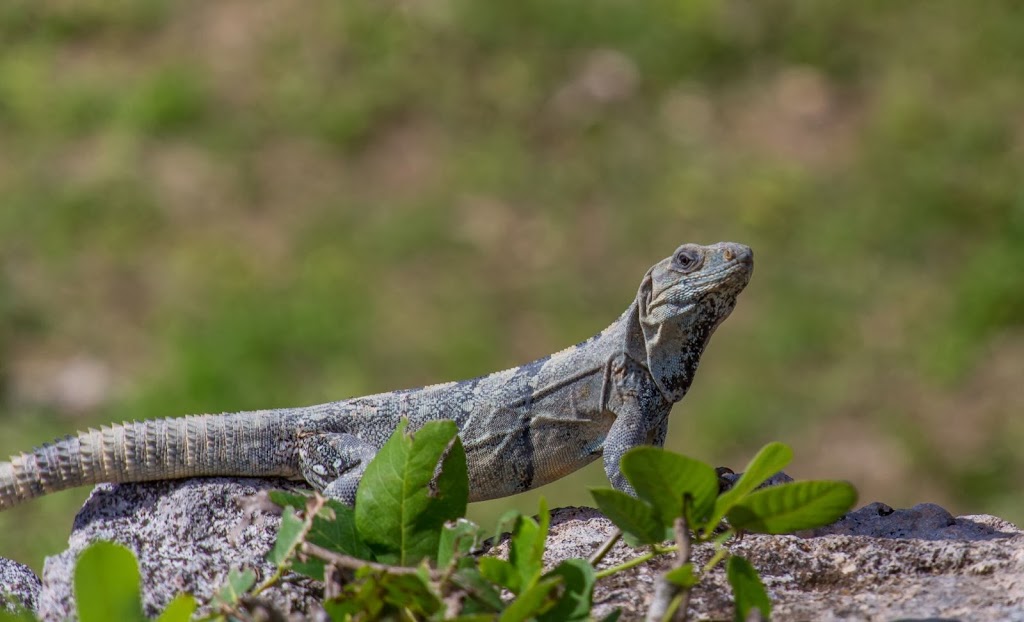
(232, 444)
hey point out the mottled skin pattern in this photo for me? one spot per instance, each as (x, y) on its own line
(522, 427)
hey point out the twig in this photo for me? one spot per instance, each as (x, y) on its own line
(599, 554)
(671, 601)
(332, 586)
(453, 604)
(636, 561)
(354, 563)
(313, 506)
(682, 558)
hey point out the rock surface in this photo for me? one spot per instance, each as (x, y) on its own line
(875, 564)
(19, 586)
(186, 534)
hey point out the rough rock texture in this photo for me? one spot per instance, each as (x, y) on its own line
(875, 564)
(727, 479)
(187, 535)
(18, 585)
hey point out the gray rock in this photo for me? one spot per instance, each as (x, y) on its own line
(19, 586)
(876, 563)
(187, 535)
(925, 521)
(727, 478)
(873, 565)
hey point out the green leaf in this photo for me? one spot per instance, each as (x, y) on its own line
(410, 592)
(794, 506)
(342, 609)
(362, 598)
(179, 610)
(577, 594)
(747, 589)
(238, 583)
(500, 572)
(526, 549)
(400, 505)
(613, 616)
(339, 534)
(532, 602)
(662, 477)
(482, 595)
(336, 533)
(20, 614)
(287, 498)
(458, 539)
(636, 518)
(683, 576)
(772, 458)
(506, 523)
(107, 584)
(289, 536)
(521, 575)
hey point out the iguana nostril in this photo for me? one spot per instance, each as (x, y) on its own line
(729, 254)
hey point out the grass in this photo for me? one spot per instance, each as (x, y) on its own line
(232, 206)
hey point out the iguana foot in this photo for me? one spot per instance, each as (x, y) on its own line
(333, 463)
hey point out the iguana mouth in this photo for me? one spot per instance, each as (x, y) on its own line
(737, 273)
(737, 253)
(740, 265)
(746, 259)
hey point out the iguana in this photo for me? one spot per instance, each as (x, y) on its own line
(521, 428)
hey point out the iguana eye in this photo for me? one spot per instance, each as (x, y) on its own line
(688, 260)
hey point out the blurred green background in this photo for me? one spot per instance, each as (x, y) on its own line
(217, 206)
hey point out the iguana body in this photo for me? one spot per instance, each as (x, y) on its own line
(521, 427)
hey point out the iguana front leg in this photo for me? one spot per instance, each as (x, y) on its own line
(630, 430)
(333, 463)
(641, 417)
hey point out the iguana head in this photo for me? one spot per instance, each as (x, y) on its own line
(682, 300)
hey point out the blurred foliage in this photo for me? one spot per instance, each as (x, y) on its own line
(220, 206)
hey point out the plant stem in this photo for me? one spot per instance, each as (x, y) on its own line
(671, 601)
(720, 554)
(313, 507)
(682, 558)
(675, 605)
(354, 563)
(271, 581)
(599, 554)
(636, 561)
(332, 586)
(453, 605)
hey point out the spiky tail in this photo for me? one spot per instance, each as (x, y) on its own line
(254, 444)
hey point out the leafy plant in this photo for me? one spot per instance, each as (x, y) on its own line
(679, 496)
(405, 552)
(417, 562)
(107, 588)
(13, 609)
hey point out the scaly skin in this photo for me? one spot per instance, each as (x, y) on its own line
(522, 427)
